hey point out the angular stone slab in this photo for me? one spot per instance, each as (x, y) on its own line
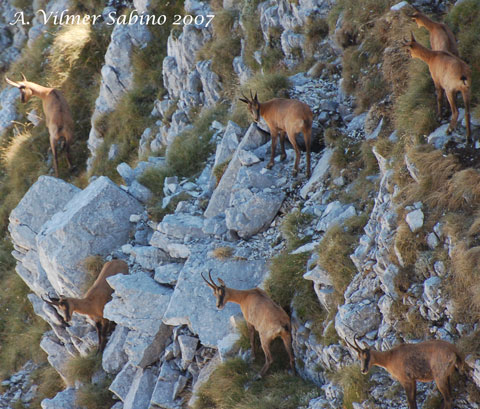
(193, 303)
(138, 302)
(47, 196)
(221, 196)
(141, 390)
(95, 221)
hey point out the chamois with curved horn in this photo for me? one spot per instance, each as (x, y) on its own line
(408, 363)
(284, 116)
(441, 37)
(261, 314)
(58, 117)
(94, 301)
(450, 75)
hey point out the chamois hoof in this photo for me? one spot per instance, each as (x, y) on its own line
(449, 130)
(269, 165)
(294, 173)
(257, 377)
(283, 157)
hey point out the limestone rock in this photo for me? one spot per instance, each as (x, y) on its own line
(62, 400)
(114, 357)
(95, 221)
(414, 220)
(141, 390)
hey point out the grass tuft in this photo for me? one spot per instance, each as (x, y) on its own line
(223, 253)
(95, 396)
(83, 368)
(354, 385)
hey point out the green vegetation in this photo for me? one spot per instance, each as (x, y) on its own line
(334, 257)
(231, 386)
(82, 369)
(95, 396)
(355, 386)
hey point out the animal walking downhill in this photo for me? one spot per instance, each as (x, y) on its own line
(408, 363)
(58, 117)
(284, 116)
(261, 314)
(94, 301)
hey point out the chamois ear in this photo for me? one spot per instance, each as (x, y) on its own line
(256, 99)
(413, 38)
(221, 282)
(23, 76)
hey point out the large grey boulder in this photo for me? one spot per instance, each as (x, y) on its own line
(95, 221)
(47, 196)
(122, 382)
(220, 199)
(114, 357)
(193, 303)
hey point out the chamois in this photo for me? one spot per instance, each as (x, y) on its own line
(408, 363)
(261, 314)
(94, 300)
(449, 74)
(441, 37)
(282, 116)
(57, 115)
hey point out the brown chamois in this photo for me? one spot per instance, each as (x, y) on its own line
(450, 75)
(261, 314)
(441, 37)
(94, 300)
(282, 116)
(408, 363)
(58, 117)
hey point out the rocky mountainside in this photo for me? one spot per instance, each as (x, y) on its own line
(169, 337)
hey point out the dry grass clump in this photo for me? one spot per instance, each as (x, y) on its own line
(95, 396)
(291, 227)
(92, 265)
(253, 35)
(315, 30)
(334, 256)
(227, 388)
(406, 246)
(223, 253)
(83, 368)
(355, 386)
(464, 285)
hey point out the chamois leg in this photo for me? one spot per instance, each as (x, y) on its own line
(411, 391)
(287, 341)
(99, 327)
(439, 94)
(293, 141)
(443, 386)
(54, 155)
(282, 145)
(251, 333)
(307, 135)
(466, 101)
(67, 154)
(453, 106)
(274, 134)
(268, 356)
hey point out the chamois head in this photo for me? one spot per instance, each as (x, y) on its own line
(411, 45)
(218, 290)
(253, 106)
(363, 355)
(63, 304)
(25, 90)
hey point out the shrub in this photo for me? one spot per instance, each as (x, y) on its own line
(83, 368)
(223, 253)
(95, 396)
(334, 256)
(230, 386)
(354, 385)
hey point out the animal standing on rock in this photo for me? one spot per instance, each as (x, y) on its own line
(261, 314)
(408, 363)
(284, 116)
(58, 117)
(441, 37)
(449, 74)
(94, 301)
